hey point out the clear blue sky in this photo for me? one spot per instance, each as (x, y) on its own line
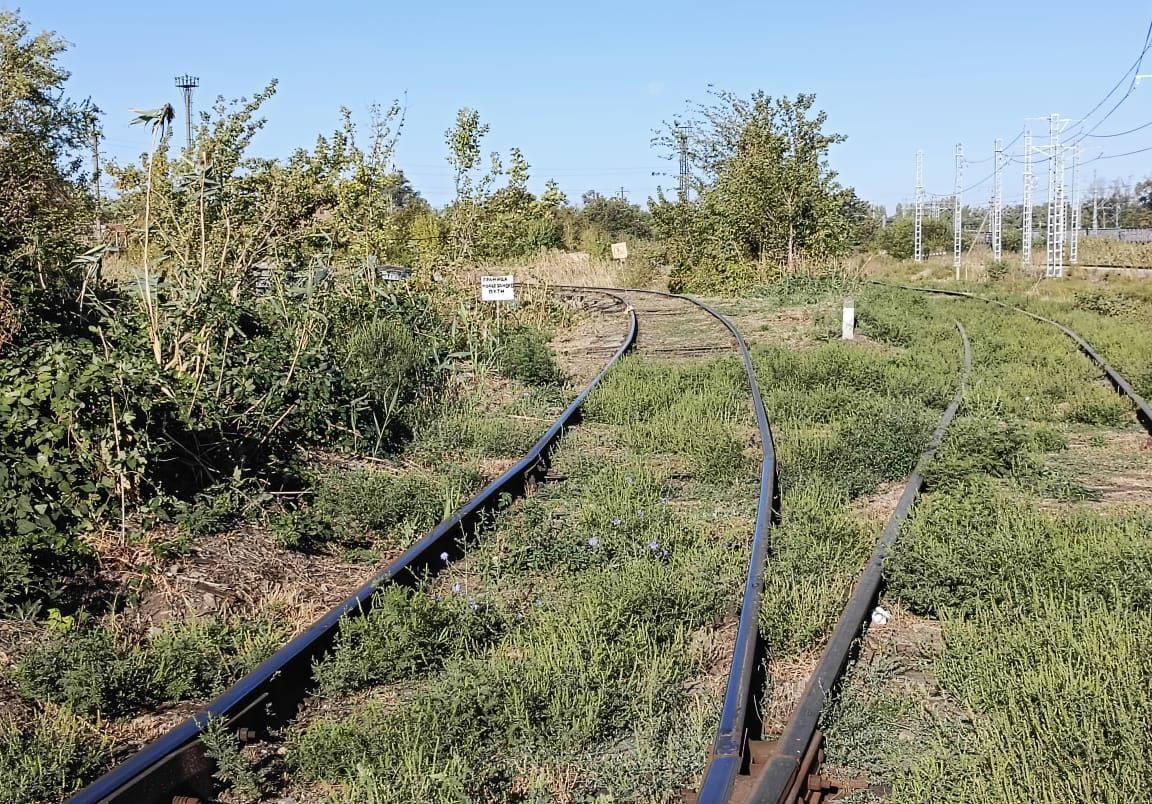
(580, 87)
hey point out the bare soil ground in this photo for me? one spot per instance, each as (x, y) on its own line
(1116, 466)
(584, 349)
(761, 325)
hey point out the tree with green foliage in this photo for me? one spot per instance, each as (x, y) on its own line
(493, 225)
(43, 135)
(898, 237)
(766, 193)
(464, 141)
(615, 217)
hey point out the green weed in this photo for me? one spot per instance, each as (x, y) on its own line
(406, 633)
(51, 755)
(232, 768)
(95, 669)
(1061, 680)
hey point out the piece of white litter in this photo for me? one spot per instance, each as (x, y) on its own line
(880, 616)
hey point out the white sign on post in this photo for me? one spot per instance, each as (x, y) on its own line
(497, 288)
(619, 251)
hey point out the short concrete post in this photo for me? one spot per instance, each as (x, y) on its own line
(849, 319)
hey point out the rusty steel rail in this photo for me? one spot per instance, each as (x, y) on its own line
(1143, 409)
(788, 771)
(738, 718)
(175, 767)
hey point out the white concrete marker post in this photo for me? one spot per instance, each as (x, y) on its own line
(849, 319)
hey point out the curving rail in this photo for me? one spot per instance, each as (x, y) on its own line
(175, 765)
(1143, 409)
(789, 773)
(738, 719)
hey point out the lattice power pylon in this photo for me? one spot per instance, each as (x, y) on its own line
(918, 237)
(1026, 211)
(1054, 262)
(958, 212)
(998, 203)
(1074, 233)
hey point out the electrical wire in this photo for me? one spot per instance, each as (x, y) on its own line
(1120, 133)
(1134, 70)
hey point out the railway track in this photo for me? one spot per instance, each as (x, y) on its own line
(175, 767)
(741, 766)
(786, 770)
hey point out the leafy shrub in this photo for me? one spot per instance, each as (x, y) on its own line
(68, 443)
(524, 355)
(998, 269)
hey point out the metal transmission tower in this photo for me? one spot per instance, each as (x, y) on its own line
(681, 131)
(1095, 204)
(958, 212)
(998, 203)
(1054, 263)
(918, 240)
(1074, 237)
(187, 83)
(1026, 211)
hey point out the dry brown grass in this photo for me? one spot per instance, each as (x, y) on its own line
(580, 268)
(1098, 251)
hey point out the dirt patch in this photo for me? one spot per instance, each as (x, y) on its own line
(787, 678)
(792, 327)
(1115, 467)
(713, 647)
(243, 570)
(880, 504)
(581, 351)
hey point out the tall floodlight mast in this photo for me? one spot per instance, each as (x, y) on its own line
(187, 83)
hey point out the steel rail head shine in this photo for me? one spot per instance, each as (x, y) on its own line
(270, 694)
